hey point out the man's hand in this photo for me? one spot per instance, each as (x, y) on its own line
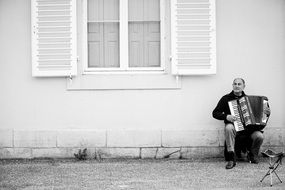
(231, 118)
(267, 110)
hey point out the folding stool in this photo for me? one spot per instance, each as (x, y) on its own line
(273, 165)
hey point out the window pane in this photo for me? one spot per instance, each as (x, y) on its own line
(103, 33)
(103, 44)
(144, 33)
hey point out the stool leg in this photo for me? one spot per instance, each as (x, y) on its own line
(270, 178)
(265, 175)
(270, 169)
(275, 167)
(277, 177)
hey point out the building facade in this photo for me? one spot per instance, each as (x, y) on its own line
(134, 78)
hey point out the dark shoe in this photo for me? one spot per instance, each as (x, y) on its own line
(232, 160)
(230, 164)
(252, 159)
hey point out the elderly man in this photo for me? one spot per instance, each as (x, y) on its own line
(253, 139)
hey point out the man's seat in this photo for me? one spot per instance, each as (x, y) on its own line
(273, 165)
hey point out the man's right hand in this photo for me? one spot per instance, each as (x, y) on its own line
(231, 118)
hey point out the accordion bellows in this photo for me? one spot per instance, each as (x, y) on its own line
(249, 111)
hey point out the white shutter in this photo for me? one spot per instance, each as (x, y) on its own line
(193, 37)
(54, 37)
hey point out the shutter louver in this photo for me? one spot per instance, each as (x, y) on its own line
(54, 37)
(193, 37)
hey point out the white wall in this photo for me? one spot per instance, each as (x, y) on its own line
(250, 44)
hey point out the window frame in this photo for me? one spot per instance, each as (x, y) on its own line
(123, 47)
(136, 80)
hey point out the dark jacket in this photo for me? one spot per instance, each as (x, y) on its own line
(222, 109)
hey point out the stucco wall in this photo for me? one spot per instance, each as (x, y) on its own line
(250, 44)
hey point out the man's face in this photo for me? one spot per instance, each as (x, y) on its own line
(238, 86)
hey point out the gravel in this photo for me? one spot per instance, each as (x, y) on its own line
(135, 174)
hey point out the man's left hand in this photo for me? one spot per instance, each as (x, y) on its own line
(267, 110)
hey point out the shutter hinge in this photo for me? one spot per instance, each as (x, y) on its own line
(70, 79)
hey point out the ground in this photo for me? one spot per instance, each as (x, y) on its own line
(135, 174)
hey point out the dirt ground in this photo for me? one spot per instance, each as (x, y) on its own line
(141, 174)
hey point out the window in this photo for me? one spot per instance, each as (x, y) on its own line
(123, 44)
(123, 36)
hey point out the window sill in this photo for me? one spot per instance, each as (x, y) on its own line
(124, 82)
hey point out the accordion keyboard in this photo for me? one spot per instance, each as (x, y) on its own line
(234, 111)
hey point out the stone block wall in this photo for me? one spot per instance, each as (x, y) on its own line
(156, 144)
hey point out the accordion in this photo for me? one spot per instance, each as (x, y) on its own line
(249, 111)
